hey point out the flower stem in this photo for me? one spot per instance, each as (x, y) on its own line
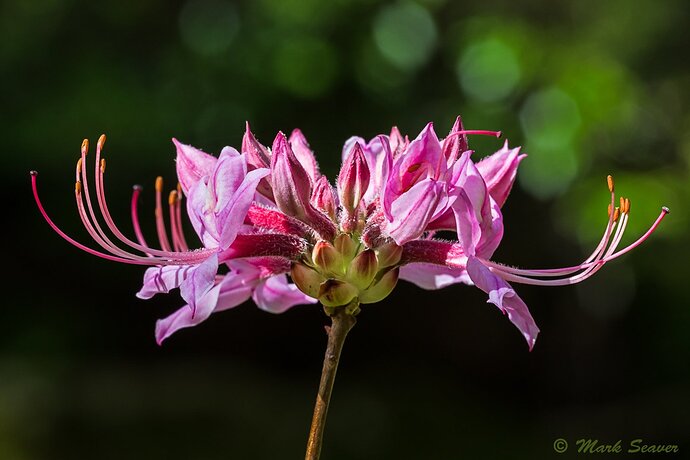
(342, 322)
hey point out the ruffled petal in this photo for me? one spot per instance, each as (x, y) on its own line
(505, 298)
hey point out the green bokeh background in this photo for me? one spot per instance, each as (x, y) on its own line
(588, 88)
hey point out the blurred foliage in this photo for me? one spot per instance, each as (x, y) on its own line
(589, 88)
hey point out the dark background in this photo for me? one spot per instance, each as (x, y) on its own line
(589, 88)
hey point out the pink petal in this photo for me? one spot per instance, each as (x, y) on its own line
(291, 183)
(304, 154)
(353, 179)
(431, 276)
(184, 317)
(276, 295)
(412, 211)
(230, 218)
(499, 171)
(229, 293)
(505, 298)
(161, 280)
(192, 164)
(200, 204)
(199, 281)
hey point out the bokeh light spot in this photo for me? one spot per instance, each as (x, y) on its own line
(306, 66)
(489, 70)
(405, 34)
(208, 27)
(547, 172)
(550, 118)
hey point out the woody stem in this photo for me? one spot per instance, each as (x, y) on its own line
(342, 322)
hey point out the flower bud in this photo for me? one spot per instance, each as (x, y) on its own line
(362, 269)
(388, 254)
(327, 259)
(324, 198)
(257, 156)
(306, 279)
(346, 246)
(381, 288)
(304, 154)
(292, 189)
(353, 179)
(334, 293)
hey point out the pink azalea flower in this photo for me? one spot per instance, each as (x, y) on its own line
(265, 213)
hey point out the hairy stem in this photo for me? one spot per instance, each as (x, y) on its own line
(342, 322)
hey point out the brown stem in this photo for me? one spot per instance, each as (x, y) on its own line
(342, 322)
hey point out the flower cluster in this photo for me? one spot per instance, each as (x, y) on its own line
(263, 213)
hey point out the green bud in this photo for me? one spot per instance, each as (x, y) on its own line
(346, 246)
(363, 268)
(327, 259)
(380, 288)
(334, 293)
(307, 280)
(389, 254)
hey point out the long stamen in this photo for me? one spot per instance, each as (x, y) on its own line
(63, 235)
(596, 254)
(602, 254)
(160, 224)
(591, 267)
(136, 191)
(87, 196)
(103, 204)
(87, 214)
(664, 212)
(178, 217)
(172, 199)
(473, 132)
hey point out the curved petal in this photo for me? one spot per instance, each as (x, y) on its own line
(304, 154)
(200, 204)
(199, 281)
(431, 276)
(412, 211)
(161, 280)
(276, 295)
(499, 171)
(192, 164)
(505, 298)
(230, 218)
(184, 317)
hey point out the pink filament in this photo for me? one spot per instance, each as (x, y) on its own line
(88, 217)
(160, 224)
(590, 267)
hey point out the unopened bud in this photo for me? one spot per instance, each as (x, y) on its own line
(346, 246)
(363, 268)
(389, 254)
(306, 279)
(334, 293)
(327, 259)
(353, 179)
(381, 288)
(324, 198)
